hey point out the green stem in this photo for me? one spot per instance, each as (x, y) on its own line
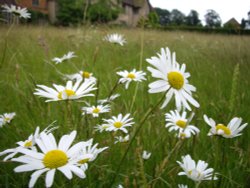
(113, 89)
(197, 184)
(148, 113)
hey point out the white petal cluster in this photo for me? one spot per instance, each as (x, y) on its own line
(20, 12)
(96, 110)
(81, 75)
(6, 118)
(67, 56)
(146, 155)
(118, 123)
(69, 92)
(233, 129)
(197, 172)
(109, 99)
(172, 80)
(121, 139)
(115, 38)
(127, 77)
(179, 122)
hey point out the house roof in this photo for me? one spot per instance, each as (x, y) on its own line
(8, 2)
(232, 21)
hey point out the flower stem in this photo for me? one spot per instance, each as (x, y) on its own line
(113, 89)
(143, 120)
(197, 184)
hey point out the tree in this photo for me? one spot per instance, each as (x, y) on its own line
(164, 16)
(177, 17)
(212, 19)
(193, 18)
(70, 11)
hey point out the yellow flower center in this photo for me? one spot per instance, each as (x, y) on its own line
(131, 75)
(28, 144)
(118, 124)
(183, 135)
(96, 110)
(68, 92)
(83, 161)
(85, 74)
(176, 80)
(6, 119)
(55, 159)
(181, 123)
(225, 129)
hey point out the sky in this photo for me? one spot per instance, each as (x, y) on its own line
(225, 8)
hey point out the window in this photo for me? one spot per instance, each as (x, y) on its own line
(35, 2)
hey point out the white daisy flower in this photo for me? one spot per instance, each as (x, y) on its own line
(118, 123)
(107, 100)
(20, 12)
(121, 139)
(115, 38)
(81, 75)
(196, 172)
(30, 143)
(127, 77)
(6, 118)
(232, 130)
(69, 92)
(52, 157)
(172, 80)
(67, 56)
(101, 128)
(180, 122)
(88, 153)
(146, 155)
(182, 186)
(96, 110)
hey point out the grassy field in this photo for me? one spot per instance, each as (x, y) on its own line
(25, 60)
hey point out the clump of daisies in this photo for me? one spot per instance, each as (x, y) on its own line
(196, 171)
(180, 123)
(17, 11)
(127, 77)
(6, 118)
(50, 157)
(233, 129)
(172, 79)
(69, 92)
(67, 56)
(115, 38)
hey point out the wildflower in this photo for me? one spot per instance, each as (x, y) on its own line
(146, 155)
(133, 75)
(232, 130)
(119, 186)
(115, 38)
(50, 158)
(18, 11)
(30, 143)
(172, 80)
(96, 110)
(67, 56)
(107, 100)
(6, 118)
(118, 123)
(101, 128)
(81, 75)
(88, 153)
(121, 139)
(69, 92)
(180, 122)
(196, 172)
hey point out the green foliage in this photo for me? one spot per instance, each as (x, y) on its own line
(70, 11)
(102, 12)
(212, 19)
(193, 19)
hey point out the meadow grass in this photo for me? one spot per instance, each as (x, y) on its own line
(212, 60)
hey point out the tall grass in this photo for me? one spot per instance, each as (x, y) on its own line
(219, 66)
